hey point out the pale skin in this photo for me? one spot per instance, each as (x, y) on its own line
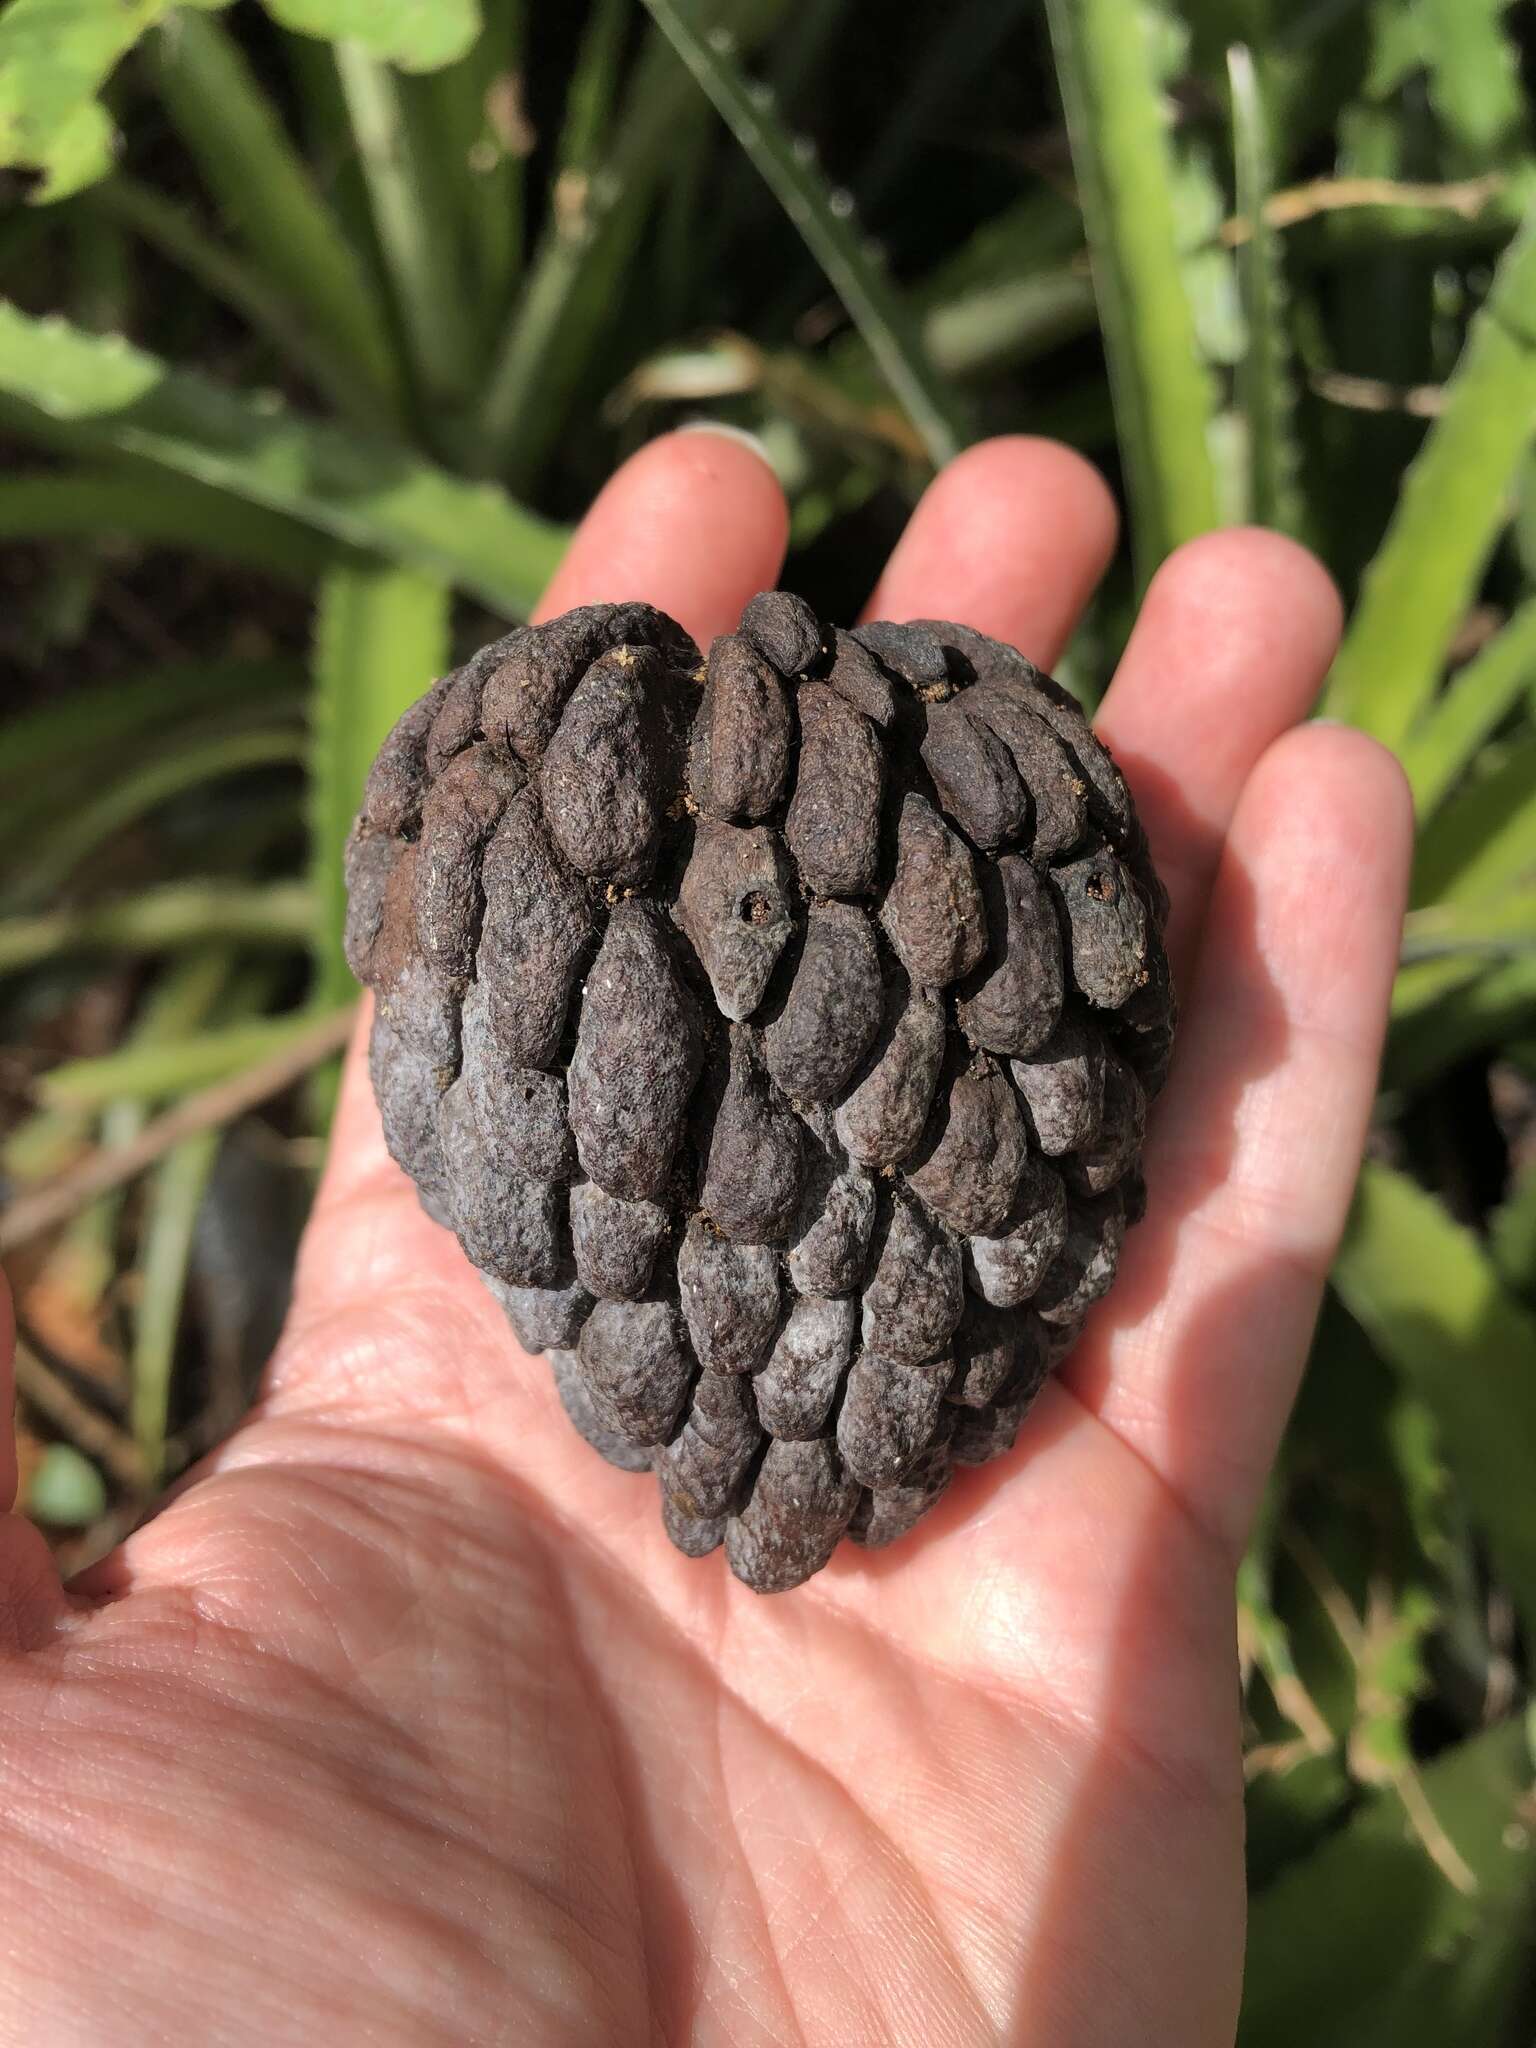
(404, 1724)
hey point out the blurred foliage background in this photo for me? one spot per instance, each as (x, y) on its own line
(321, 320)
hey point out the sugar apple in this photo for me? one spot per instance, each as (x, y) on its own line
(776, 1032)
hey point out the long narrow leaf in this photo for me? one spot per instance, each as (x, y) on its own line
(1164, 397)
(131, 502)
(594, 220)
(1483, 840)
(243, 286)
(173, 1191)
(1433, 1305)
(100, 715)
(484, 136)
(177, 915)
(1453, 505)
(1444, 742)
(1500, 928)
(824, 220)
(422, 259)
(1010, 322)
(381, 639)
(176, 1004)
(106, 394)
(59, 850)
(150, 1069)
(592, 238)
(186, 996)
(1265, 391)
(266, 193)
(593, 90)
(1476, 1011)
(574, 269)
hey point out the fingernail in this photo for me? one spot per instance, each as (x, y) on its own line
(727, 433)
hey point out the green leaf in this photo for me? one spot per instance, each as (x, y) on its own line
(55, 56)
(422, 260)
(244, 286)
(66, 1489)
(176, 1004)
(1474, 74)
(177, 915)
(154, 1068)
(589, 236)
(482, 140)
(1348, 1927)
(96, 717)
(418, 35)
(1455, 501)
(1265, 390)
(265, 191)
(381, 639)
(75, 758)
(594, 234)
(1501, 929)
(173, 1191)
(1288, 1809)
(1164, 396)
(824, 219)
(170, 771)
(131, 502)
(572, 278)
(1432, 1030)
(1474, 703)
(1011, 321)
(110, 395)
(1483, 840)
(1434, 1307)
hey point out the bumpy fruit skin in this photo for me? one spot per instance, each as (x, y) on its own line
(776, 1032)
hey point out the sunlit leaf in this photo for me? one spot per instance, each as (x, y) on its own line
(1435, 1308)
(1454, 502)
(1164, 397)
(105, 393)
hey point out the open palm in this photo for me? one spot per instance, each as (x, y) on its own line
(404, 1724)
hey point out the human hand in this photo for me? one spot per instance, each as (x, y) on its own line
(403, 1723)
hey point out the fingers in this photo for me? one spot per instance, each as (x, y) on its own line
(1230, 650)
(1195, 1357)
(1010, 538)
(695, 523)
